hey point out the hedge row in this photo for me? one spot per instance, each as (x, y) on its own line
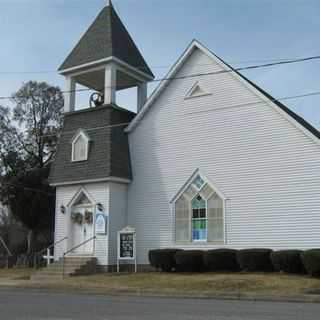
(266, 260)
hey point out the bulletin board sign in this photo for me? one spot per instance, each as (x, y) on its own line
(127, 246)
(101, 223)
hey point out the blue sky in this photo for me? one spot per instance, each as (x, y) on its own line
(36, 35)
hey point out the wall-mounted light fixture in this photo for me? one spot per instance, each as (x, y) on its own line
(63, 209)
(100, 207)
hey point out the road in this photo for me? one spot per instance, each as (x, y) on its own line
(26, 304)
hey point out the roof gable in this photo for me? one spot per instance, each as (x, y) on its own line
(291, 116)
(106, 37)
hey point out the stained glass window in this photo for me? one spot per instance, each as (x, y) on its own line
(198, 182)
(199, 213)
(199, 219)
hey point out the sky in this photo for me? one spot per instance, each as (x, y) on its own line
(37, 35)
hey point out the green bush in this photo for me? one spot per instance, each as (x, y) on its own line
(163, 259)
(311, 261)
(255, 259)
(221, 260)
(190, 261)
(287, 261)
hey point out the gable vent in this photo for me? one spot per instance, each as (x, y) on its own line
(196, 91)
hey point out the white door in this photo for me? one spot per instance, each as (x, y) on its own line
(82, 229)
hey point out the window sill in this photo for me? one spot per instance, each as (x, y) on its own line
(201, 243)
(82, 160)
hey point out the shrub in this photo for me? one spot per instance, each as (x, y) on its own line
(287, 261)
(311, 261)
(153, 258)
(255, 259)
(163, 259)
(221, 260)
(190, 261)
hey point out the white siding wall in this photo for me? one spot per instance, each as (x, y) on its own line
(117, 216)
(268, 169)
(99, 192)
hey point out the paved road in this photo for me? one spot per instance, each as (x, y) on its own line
(25, 305)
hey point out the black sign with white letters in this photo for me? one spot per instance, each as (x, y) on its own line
(126, 245)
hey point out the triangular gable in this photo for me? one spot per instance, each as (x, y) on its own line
(82, 193)
(196, 91)
(284, 111)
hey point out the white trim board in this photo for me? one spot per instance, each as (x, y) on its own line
(79, 69)
(109, 179)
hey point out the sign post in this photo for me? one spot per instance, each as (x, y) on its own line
(127, 246)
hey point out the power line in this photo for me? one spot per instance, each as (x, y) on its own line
(160, 66)
(266, 65)
(127, 123)
(29, 189)
(303, 95)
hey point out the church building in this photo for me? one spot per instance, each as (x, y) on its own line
(209, 160)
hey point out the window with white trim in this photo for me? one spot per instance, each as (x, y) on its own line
(80, 147)
(199, 214)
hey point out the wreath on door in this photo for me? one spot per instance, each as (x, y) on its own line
(88, 217)
(77, 217)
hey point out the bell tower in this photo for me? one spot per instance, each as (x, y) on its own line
(105, 60)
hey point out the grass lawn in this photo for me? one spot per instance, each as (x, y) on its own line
(204, 284)
(15, 274)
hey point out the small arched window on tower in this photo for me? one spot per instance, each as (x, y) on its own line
(80, 146)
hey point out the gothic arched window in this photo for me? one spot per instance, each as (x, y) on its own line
(199, 213)
(80, 146)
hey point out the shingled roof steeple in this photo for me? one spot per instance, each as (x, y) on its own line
(106, 37)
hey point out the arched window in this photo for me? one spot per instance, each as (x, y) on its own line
(80, 146)
(199, 213)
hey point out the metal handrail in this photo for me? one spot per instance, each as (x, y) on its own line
(6, 247)
(52, 245)
(47, 249)
(74, 248)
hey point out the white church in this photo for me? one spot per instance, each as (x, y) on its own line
(210, 160)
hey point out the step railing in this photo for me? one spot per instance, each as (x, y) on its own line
(5, 246)
(72, 249)
(9, 253)
(48, 257)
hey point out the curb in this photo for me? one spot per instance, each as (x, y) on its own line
(137, 293)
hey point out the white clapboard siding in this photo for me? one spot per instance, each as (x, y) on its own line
(117, 216)
(99, 192)
(267, 167)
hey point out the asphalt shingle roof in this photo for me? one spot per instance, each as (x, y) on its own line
(106, 37)
(108, 147)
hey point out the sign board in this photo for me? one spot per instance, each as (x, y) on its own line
(101, 223)
(127, 246)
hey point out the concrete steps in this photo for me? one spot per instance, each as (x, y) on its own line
(72, 266)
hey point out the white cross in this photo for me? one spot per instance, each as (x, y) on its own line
(48, 257)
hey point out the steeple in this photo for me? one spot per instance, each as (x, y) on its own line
(106, 56)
